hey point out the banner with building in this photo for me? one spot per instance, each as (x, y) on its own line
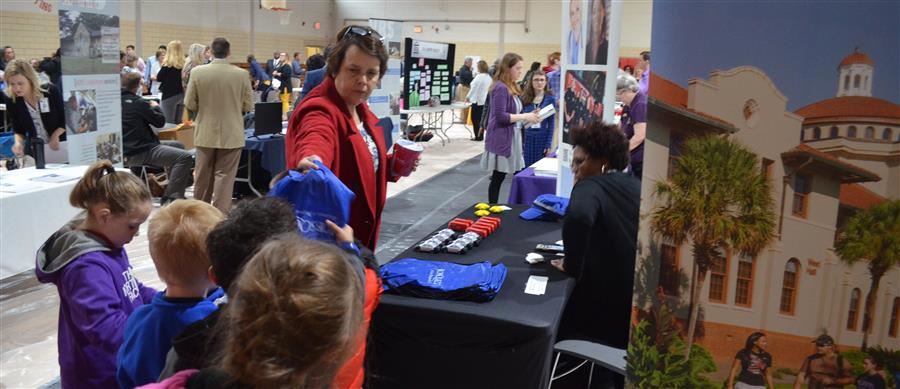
(89, 55)
(767, 249)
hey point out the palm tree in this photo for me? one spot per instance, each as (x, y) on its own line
(718, 199)
(873, 236)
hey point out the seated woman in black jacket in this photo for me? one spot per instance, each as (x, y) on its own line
(37, 110)
(599, 234)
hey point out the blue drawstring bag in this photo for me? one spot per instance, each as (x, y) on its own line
(316, 195)
(478, 282)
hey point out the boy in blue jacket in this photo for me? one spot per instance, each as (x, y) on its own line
(178, 247)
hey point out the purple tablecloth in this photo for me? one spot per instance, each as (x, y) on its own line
(526, 187)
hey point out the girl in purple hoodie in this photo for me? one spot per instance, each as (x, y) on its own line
(86, 262)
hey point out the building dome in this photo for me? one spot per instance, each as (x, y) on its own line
(852, 106)
(857, 58)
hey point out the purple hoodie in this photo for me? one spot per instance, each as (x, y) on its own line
(97, 292)
(499, 135)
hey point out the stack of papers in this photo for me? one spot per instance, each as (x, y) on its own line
(54, 178)
(547, 112)
(546, 167)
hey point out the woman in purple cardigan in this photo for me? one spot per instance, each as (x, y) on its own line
(503, 138)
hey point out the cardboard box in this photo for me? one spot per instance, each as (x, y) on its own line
(184, 133)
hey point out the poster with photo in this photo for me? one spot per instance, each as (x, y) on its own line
(590, 33)
(385, 100)
(89, 48)
(796, 284)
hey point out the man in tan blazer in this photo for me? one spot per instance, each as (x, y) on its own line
(219, 93)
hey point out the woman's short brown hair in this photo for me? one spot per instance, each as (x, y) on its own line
(370, 43)
(483, 67)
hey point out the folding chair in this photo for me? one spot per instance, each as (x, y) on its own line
(595, 353)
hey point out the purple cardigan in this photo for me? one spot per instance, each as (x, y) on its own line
(499, 136)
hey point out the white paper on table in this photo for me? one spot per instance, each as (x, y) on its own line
(536, 285)
(18, 187)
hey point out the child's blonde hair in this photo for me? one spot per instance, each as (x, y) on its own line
(296, 311)
(101, 183)
(178, 241)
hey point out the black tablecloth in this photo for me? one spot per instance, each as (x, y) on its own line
(505, 343)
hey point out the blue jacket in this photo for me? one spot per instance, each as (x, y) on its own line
(149, 333)
(257, 72)
(313, 79)
(548, 123)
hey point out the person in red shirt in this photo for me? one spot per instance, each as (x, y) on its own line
(334, 126)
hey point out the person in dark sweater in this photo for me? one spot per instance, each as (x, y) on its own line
(870, 378)
(36, 111)
(142, 146)
(169, 79)
(599, 234)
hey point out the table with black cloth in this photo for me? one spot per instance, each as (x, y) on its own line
(265, 151)
(526, 187)
(504, 343)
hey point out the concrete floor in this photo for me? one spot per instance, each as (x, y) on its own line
(448, 180)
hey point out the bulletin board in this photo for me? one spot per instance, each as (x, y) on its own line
(427, 71)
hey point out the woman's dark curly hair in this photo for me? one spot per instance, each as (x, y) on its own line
(603, 141)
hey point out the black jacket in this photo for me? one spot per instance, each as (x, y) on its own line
(285, 77)
(137, 116)
(169, 80)
(600, 234)
(56, 118)
(465, 76)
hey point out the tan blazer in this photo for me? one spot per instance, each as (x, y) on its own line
(219, 93)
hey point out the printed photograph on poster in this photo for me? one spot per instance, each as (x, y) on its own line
(394, 50)
(109, 147)
(583, 99)
(395, 103)
(88, 42)
(573, 33)
(81, 111)
(597, 33)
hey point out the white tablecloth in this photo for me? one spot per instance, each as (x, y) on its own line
(29, 216)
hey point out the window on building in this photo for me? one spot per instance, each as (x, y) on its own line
(895, 318)
(743, 291)
(675, 142)
(866, 84)
(847, 82)
(817, 133)
(718, 278)
(870, 132)
(668, 270)
(801, 195)
(768, 167)
(887, 134)
(851, 132)
(789, 284)
(853, 312)
(856, 80)
(834, 132)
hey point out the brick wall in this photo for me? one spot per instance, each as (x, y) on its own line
(32, 34)
(723, 341)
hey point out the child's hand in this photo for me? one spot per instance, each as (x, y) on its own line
(341, 234)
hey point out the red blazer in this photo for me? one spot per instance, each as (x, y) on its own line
(322, 126)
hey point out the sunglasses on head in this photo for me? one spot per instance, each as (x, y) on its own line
(823, 344)
(362, 31)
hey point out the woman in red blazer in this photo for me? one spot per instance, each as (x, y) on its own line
(334, 125)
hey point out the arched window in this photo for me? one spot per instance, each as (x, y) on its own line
(834, 132)
(888, 134)
(817, 133)
(870, 132)
(895, 318)
(789, 284)
(856, 79)
(866, 84)
(847, 82)
(851, 132)
(853, 312)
